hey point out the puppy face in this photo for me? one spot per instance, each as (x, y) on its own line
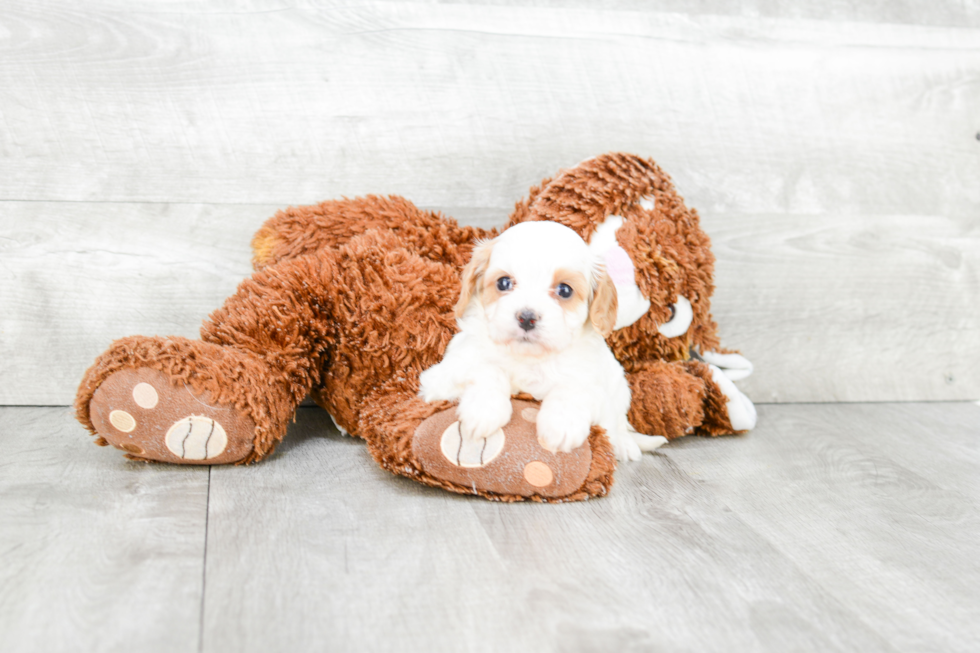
(538, 288)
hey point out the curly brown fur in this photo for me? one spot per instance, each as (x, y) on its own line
(667, 399)
(302, 230)
(671, 254)
(229, 376)
(332, 280)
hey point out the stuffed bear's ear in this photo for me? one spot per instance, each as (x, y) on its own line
(582, 197)
(473, 274)
(602, 310)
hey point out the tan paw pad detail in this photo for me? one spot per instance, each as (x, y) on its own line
(196, 438)
(122, 420)
(538, 474)
(530, 415)
(470, 453)
(145, 396)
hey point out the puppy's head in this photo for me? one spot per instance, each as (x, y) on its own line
(538, 287)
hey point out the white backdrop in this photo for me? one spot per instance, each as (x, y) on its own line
(833, 152)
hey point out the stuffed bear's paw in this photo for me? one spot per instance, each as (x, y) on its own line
(563, 425)
(509, 464)
(482, 414)
(139, 411)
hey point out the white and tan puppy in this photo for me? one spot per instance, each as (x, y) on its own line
(533, 314)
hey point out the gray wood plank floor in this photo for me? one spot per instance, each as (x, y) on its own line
(837, 527)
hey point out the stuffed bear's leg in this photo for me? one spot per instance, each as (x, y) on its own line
(363, 322)
(229, 397)
(681, 398)
(183, 401)
(340, 313)
(667, 399)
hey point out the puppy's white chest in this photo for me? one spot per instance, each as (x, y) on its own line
(535, 380)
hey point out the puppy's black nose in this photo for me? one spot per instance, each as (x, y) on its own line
(527, 319)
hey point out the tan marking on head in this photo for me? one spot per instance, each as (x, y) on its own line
(602, 310)
(579, 284)
(473, 274)
(490, 292)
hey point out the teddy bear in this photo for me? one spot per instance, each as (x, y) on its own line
(352, 299)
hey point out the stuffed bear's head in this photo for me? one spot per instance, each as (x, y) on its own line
(626, 208)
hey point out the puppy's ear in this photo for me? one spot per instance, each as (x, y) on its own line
(473, 274)
(602, 310)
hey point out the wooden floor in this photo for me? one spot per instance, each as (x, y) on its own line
(833, 527)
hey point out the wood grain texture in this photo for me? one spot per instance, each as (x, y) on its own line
(97, 553)
(831, 527)
(844, 309)
(915, 12)
(466, 105)
(318, 549)
(851, 308)
(877, 503)
(75, 276)
(831, 149)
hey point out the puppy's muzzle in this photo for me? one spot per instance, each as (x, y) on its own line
(527, 319)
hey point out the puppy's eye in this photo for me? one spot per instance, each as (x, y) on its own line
(563, 290)
(504, 284)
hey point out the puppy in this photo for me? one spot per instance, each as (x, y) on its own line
(533, 314)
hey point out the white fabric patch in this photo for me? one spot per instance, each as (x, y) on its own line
(470, 453)
(122, 420)
(145, 396)
(196, 438)
(741, 410)
(631, 304)
(337, 426)
(735, 366)
(681, 321)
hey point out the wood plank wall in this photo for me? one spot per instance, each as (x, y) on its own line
(832, 149)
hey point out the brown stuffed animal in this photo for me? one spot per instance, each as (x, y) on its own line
(353, 299)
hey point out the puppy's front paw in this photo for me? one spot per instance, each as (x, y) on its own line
(563, 426)
(648, 442)
(436, 384)
(482, 414)
(625, 447)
